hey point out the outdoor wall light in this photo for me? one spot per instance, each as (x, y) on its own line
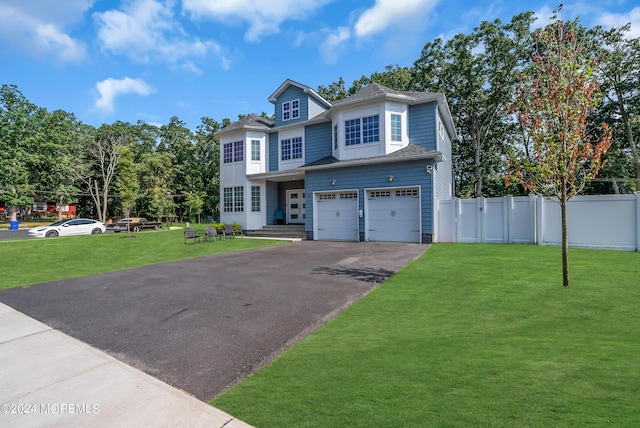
(391, 178)
(333, 182)
(429, 169)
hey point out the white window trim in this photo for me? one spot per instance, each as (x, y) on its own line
(294, 113)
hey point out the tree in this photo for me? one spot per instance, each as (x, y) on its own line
(556, 96)
(127, 181)
(477, 73)
(619, 73)
(97, 166)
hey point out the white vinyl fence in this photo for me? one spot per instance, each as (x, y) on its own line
(608, 221)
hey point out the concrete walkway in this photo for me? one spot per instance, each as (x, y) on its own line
(50, 379)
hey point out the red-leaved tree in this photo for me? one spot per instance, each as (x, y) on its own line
(557, 92)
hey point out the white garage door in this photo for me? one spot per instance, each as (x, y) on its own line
(337, 216)
(394, 215)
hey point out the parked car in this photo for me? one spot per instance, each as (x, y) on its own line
(77, 226)
(135, 224)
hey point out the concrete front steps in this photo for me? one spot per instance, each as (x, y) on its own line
(294, 231)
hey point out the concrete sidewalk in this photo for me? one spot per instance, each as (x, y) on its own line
(51, 379)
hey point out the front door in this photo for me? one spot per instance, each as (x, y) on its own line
(295, 206)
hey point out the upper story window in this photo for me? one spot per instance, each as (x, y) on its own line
(335, 137)
(290, 110)
(255, 150)
(440, 128)
(361, 131)
(396, 127)
(291, 148)
(233, 152)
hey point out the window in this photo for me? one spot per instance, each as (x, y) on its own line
(335, 137)
(370, 129)
(291, 110)
(238, 199)
(291, 148)
(233, 199)
(238, 151)
(228, 152)
(255, 199)
(228, 199)
(396, 127)
(352, 132)
(369, 132)
(233, 152)
(255, 150)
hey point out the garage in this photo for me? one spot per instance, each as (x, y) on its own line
(393, 215)
(337, 216)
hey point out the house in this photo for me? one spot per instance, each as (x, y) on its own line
(366, 168)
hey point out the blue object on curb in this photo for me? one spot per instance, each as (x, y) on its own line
(13, 225)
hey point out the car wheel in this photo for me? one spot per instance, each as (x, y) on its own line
(136, 229)
(96, 231)
(156, 227)
(51, 234)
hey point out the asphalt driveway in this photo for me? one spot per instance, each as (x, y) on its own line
(204, 324)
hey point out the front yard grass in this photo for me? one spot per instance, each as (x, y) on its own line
(467, 335)
(35, 260)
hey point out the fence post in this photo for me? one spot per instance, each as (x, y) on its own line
(637, 221)
(534, 216)
(539, 220)
(456, 220)
(507, 210)
(482, 206)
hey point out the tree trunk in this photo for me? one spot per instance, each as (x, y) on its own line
(630, 139)
(565, 236)
(478, 171)
(96, 198)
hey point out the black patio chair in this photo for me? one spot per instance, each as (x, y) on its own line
(190, 233)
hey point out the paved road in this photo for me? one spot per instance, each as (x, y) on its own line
(13, 234)
(204, 324)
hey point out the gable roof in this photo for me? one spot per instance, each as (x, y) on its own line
(249, 122)
(306, 89)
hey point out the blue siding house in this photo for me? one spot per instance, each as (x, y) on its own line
(365, 168)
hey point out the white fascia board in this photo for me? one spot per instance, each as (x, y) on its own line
(435, 156)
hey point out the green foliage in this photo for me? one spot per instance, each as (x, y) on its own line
(127, 182)
(466, 335)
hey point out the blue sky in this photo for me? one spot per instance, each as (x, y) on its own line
(149, 60)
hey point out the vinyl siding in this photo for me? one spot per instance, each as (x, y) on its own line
(272, 201)
(372, 176)
(292, 93)
(422, 125)
(273, 152)
(315, 108)
(442, 170)
(317, 140)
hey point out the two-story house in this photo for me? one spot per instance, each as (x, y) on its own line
(366, 168)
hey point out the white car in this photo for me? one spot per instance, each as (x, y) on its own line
(77, 226)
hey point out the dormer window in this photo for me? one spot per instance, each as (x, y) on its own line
(361, 131)
(396, 127)
(290, 110)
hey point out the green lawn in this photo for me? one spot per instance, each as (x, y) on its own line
(467, 335)
(30, 261)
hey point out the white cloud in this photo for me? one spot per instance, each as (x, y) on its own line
(333, 43)
(39, 28)
(263, 17)
(147, 30)
(543, 17)
(616, 20)
(386, 13)
(110, 88)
